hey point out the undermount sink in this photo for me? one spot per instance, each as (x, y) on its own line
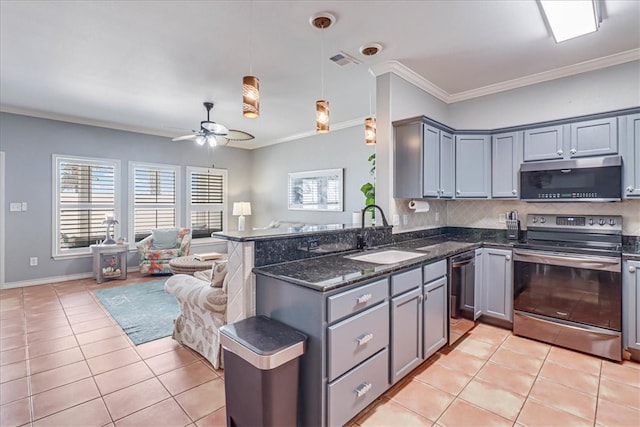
(390, 256)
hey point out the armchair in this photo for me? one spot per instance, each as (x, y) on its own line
(154, 259)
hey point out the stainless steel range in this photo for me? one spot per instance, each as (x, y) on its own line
(568, 283)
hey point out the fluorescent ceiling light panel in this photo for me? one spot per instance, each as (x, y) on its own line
(570, 18)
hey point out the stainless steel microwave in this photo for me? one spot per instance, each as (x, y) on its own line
(596, 179)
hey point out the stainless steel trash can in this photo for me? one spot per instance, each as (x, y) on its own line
(261, 368)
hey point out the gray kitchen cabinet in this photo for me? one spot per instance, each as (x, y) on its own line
(435, 316)
(545, 143)
(631, 305)
(630, 147)
(505, 165)
(406, 333)
(594, 138)
(408, 158)
(597, 137)
(497, 298)
(437, 163)
(423, 161)
(473, 166)
(479, 283)
(419, 316)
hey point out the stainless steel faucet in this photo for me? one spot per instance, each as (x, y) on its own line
(360, 243)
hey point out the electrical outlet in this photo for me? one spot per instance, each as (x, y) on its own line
(437, 216)
(502, 218)
(24, 206)
(405, 219)
(33, 261)
(395, 220)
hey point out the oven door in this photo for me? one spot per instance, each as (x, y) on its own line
(568, 299)
(578, 288)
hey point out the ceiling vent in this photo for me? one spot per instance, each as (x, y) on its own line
(342, 59)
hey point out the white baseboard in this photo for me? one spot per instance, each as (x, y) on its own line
(58, 279)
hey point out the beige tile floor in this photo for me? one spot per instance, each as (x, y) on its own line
(64, 361)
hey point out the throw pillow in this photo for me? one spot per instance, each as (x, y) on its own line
(218, 273)
(164, 238)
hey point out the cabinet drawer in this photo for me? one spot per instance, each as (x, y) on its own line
(356, 338)
(355, 300)
(369, 380)
(434, 271)
(403, 282)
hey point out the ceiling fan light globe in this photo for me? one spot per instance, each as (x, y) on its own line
(211, 140)
(200, 140)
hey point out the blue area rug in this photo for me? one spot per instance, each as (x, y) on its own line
(144, 310)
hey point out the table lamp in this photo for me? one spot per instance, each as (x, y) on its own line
(241, 209)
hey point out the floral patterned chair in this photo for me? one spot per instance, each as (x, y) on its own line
(160, 247)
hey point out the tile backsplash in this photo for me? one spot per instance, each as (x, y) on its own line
(484, 213)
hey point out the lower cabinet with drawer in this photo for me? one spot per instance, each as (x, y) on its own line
(361, 338)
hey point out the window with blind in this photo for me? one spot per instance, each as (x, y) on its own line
(316, 190)
(85, 191)
(206, 201)
(153, 198)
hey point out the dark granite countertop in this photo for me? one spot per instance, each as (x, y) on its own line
(330, 272)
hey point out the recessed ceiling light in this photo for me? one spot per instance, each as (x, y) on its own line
(371, 49)
(570, 18)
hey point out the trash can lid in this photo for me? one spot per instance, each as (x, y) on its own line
(264, 342)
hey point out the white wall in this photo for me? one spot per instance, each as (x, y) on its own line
(607, 89)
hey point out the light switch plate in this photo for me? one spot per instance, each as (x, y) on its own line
(15, 207)
(396, 219)
(502, 218)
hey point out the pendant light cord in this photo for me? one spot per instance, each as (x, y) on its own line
(322, 63)
(250, 38)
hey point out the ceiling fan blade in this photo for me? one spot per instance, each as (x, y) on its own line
(222, 140)
(185, 137)
(238, 135)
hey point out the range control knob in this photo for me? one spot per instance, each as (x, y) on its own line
(542, 220)
(601, 221)
(535, 219)
(591, 221)
(612, 221)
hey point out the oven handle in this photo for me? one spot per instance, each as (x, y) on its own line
(590, 262)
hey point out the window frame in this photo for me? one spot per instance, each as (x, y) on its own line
(191, 208)
(176, 169)
(57, 159)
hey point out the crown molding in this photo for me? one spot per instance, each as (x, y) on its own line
(414, 78)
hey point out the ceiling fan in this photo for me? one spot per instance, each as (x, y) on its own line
(214, 133)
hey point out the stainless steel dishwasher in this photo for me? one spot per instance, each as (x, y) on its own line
(461, 295)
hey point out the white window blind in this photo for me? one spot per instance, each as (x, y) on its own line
(154, 195)
(85, 190)
(207, 201)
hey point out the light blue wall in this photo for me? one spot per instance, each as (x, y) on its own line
(29, 144)
(343, 148)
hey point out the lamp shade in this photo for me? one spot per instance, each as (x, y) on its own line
(241, 208)
(322, 116)
(250, 97)
(370, 131)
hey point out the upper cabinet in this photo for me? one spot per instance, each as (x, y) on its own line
(423, 161)
(438, 163)
(473, 166)
(630, 149)
(407, 167)
(544, 143)
(582, 139)
(505, 165)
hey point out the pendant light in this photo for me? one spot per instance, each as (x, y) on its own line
(370, 122)
(322, 21)
(250, 83)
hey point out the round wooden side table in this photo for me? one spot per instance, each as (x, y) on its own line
(189, 265)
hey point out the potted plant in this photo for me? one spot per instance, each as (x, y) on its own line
(369, 189)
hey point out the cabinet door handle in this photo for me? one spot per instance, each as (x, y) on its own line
(630, 189)
(559, 152)
(363, 389)
(457, 191)
(632, 269)
(514, 192)
(364, 298)
(507, 258)
(363, 339)
(573, 151)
